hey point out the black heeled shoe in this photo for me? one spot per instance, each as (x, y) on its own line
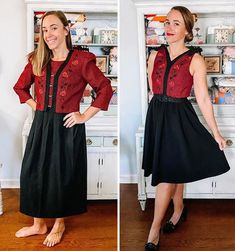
(151, 246)
(169, 227)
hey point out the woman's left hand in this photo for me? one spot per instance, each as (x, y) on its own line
(74, 118)
(220, 140)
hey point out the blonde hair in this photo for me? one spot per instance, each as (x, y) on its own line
(42, 54)
(188, 21)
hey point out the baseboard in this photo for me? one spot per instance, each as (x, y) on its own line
(128, 178)
(10, 183)
(15, 183)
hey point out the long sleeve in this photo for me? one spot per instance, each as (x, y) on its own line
(22, 86)
(101, 85)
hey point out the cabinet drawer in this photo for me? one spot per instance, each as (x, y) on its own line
(94, 141)
(110, 141)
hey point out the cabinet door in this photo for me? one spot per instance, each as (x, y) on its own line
(93, 160)
(108, 174)
(204, 186)
(225, 183)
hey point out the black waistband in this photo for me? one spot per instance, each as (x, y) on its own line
(164, 98)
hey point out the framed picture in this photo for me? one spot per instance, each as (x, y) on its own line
(213, 63)
(102, 63)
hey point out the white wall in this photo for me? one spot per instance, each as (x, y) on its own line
(12, 114)
(130, 103)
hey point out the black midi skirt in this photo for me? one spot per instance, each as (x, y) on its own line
(177, 147)
(53, 180)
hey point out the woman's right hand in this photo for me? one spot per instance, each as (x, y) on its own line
(220, 140)
(32, 103)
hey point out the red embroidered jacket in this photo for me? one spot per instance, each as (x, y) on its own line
(80, 69)
(172, 77)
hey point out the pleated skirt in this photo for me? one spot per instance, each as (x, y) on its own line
(177, 147)
(53, 180)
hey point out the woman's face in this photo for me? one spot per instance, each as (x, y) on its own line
(54, 32)
(175, 29)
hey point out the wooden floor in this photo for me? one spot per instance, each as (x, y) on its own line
(210, 225)
(95, 230)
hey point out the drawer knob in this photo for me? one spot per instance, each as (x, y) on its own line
(229, 142)
(115, 142)
(88, 142)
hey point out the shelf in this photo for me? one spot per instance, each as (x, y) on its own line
(111, 75)
(221, 75)
(96, 45)
(84, 105)
(211, 45)
(197, 45)
(92, 45)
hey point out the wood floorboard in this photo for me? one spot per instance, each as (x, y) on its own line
(210, 225)
(95, 230)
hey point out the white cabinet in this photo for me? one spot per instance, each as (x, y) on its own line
(108, 170)
(93, 174)
(102, 175)
(222, 186)
(102, 165)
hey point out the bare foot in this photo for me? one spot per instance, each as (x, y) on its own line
(33, 230)
(55, 235)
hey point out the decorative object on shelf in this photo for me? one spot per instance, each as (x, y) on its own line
(113, 100)
(113, 64)
(219, 34)
(154, 25)
(102, 63)
(198, 39)
(213, 63)
(222, 36)
(79, 36)
(229, 60)
(223, 94)
(37, 23)
(108, 36)
(79, 33)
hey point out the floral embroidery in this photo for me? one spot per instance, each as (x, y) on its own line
(63, 93)
(178, 83)
(75, 62)
(65, 74)
(40, 91)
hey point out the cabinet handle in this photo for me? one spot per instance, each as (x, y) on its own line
(115, 142)
(102, 161)
(88, 142)
(100, 184)
(99, 162)
(229, 142)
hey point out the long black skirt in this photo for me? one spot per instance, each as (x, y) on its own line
(53, 181)
(177, 147)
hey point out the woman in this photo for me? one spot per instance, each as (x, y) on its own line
(177, 148)
(54, 170)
